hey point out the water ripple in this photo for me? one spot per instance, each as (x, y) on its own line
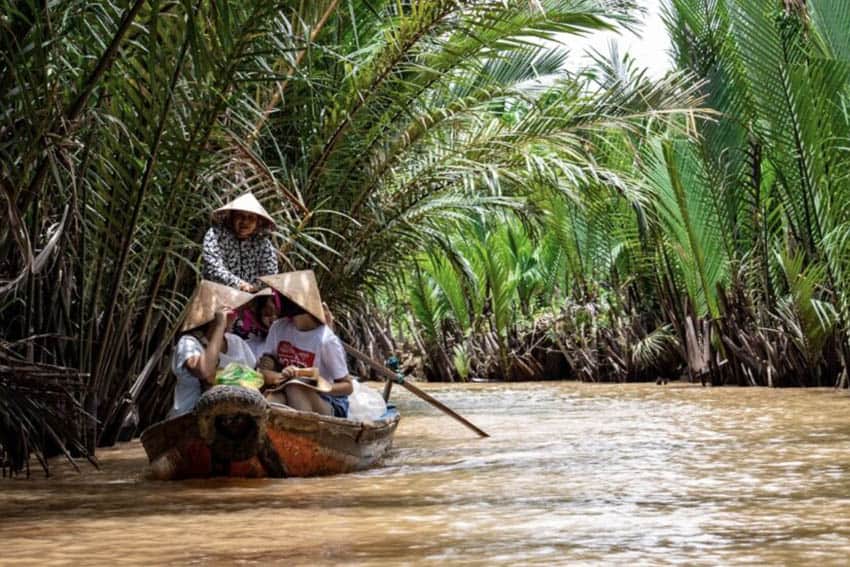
(573, 474)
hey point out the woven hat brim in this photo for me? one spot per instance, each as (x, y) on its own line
(209, 298)
(246, 203)
(301, 288)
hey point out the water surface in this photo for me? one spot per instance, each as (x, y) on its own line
(573, 474)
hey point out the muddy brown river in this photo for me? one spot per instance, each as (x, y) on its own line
(573, 475)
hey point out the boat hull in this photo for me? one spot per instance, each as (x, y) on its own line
(294, 444)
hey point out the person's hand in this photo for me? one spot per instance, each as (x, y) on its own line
(267, 362)
(245, 286)
(289, 373)
(224, 316)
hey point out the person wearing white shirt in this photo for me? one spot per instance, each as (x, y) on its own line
(304, 341)
(205, 345)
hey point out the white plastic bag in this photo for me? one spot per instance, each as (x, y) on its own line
(365, 403)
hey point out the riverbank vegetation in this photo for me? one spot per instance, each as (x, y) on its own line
(467, 201)
(719, 254)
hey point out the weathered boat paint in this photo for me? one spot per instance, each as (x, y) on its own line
(296, 444)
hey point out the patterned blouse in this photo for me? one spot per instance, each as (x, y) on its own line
(230, 261)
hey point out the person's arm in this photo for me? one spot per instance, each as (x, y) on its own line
(267, 366)
(267, 260)
(203, 366)
(342, 387)
(270, 377)
(334, 360)
(214, 267)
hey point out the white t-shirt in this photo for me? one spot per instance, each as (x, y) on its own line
(319, 347)
(257, 343)
(188, 390)
(237, 351)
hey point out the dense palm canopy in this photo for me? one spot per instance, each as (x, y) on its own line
(452, 183)
(370, 129)
(732, 233)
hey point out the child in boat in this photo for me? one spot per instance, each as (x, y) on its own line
(256, 319)
(237, 248)
(305, 341)
(205, 344)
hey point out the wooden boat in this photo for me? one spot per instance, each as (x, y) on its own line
(236, 432)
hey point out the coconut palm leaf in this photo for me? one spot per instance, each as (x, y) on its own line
(452, 290)
(425, 305)
(685, 210)
(831, 20)
(810, 320)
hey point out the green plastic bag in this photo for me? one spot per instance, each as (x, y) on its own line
(235, 374)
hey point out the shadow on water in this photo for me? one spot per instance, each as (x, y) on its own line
(572, 474)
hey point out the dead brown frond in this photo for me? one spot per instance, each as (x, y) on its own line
(39, 413)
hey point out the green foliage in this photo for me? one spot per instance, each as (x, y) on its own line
(461, 363)
(677, 210)
(435, 147)
(368, 129)
(651, 348)
(685, 207)
(811, 321)
(424, 301)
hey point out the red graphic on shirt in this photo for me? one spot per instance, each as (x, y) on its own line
(290, 355)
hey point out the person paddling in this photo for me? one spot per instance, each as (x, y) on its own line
(304, 340)
(237, 249)
(205, 345)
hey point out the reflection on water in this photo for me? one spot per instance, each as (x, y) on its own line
(573, 474)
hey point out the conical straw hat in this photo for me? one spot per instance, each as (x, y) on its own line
(246, 203)
(209, 298)
(301, 288)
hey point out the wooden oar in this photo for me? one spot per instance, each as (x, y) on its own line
(399, 379)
